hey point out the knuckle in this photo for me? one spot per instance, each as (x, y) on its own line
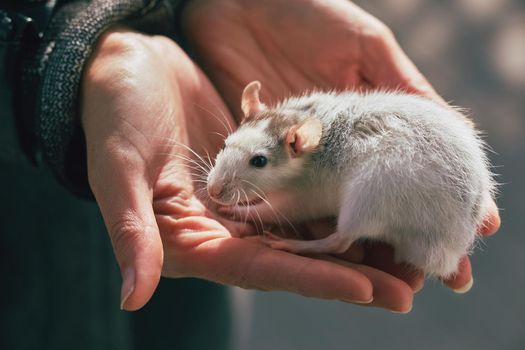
(128, 232)
(125, 229)
(419, 84)
(385, 32)
(379, 32)
(248, 277)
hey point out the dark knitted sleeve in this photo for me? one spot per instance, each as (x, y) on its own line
(52, 73)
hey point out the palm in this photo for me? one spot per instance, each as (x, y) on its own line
(253, 47)
(139, 128)
(293, 46)
(196, 244)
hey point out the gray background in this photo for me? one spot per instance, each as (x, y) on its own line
(473, 51)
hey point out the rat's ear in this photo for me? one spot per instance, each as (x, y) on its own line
(304, 137)
(250, 103)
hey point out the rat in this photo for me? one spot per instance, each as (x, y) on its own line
(391, 166)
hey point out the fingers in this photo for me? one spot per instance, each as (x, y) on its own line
(236, 228)
(381, 256)
(204, 252)
(125, 201)
(492, 221)
(462, 281)
(390, 293)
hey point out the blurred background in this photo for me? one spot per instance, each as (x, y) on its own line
(473, 52)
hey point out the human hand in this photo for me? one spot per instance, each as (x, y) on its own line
(294, 46)
(137, 94)
(143, 103)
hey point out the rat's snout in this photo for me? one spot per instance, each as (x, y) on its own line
(215, 190)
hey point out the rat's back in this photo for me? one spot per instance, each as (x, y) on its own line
(414, 173)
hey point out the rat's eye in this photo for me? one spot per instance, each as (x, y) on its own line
(258, 161)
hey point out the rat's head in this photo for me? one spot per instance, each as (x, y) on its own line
(268, 150)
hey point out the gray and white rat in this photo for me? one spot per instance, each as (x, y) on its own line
(392, 167)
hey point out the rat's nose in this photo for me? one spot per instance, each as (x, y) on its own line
(215, 190)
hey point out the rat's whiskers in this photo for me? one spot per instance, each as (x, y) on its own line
(219, 134)
(225, 124)
(276, 212)
(189, 149)
(191, 163)
(255, 210)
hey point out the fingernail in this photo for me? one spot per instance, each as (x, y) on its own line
(128, 286)
(358, 301)
(466, 287)
(402, 312)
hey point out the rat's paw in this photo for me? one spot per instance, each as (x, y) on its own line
(276, 242)
(271, 237)
(281, 245)
(289, 245)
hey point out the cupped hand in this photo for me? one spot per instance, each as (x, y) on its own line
(144, 103)
(295, 46)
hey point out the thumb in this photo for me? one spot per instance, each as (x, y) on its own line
(125, 200)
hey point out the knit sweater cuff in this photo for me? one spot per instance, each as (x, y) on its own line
(54, 77)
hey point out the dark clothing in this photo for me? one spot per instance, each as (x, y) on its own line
(60, 284)
(51, 72)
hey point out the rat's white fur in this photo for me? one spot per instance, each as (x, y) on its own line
(394, 167)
